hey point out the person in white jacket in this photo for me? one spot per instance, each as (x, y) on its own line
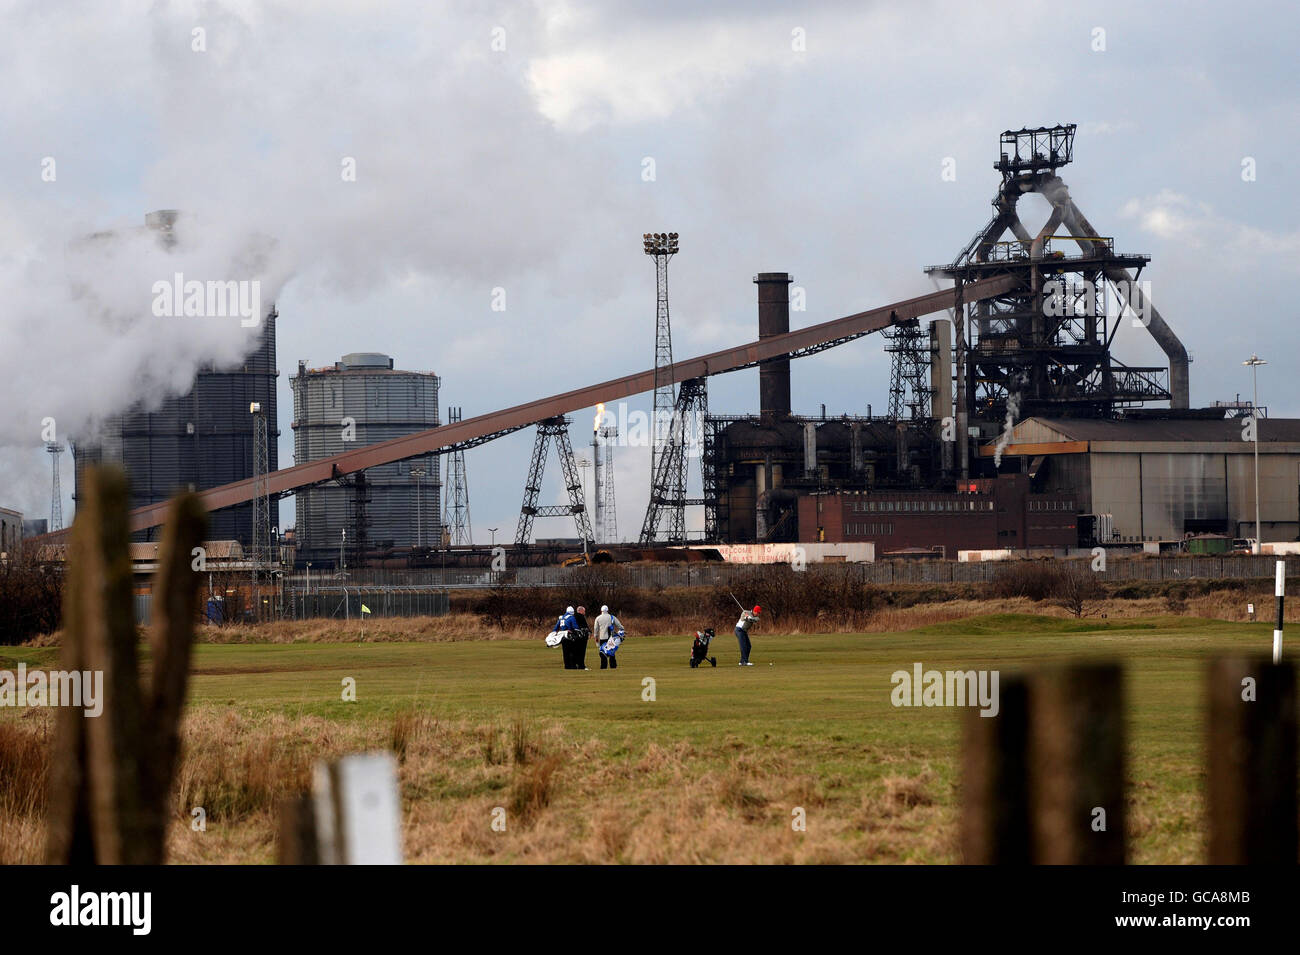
(606, 625)
(747, 619)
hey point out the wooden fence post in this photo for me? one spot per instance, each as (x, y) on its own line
(1076, 765)
(1251, 762)
(995, 793)
(111, 774)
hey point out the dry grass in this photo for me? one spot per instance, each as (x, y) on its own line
(564, 801)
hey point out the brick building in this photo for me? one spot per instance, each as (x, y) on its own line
(983, 514)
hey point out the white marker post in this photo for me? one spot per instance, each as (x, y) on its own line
(1280, 591)
(358, 810)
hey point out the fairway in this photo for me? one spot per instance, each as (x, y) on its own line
(714, 768)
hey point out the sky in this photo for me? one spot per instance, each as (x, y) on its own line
(401, 168)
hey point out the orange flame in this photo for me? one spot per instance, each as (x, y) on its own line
(600, 413)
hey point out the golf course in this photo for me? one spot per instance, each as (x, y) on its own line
(800, 758)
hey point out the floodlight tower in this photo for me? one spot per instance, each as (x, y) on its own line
(56, 493)
(662, 246)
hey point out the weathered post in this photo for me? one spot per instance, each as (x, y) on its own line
(1076, 765)
(1251, 762)
(995, 793)
(111, 774)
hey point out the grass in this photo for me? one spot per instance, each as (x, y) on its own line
(588, 770)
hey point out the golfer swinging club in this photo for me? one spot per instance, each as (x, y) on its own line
(747, 617)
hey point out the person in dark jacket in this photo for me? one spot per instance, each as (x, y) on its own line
(581, 632)
(567, 625)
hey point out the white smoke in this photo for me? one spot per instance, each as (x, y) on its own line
(255, 136)
(1004, 439)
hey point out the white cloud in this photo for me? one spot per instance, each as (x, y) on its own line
(1192, 223)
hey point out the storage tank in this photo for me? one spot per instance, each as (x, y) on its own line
(360, 400)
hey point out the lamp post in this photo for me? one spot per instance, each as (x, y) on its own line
(493, 532)
(418, 474)
(1253, 362)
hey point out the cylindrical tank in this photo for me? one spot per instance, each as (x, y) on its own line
(363, 400)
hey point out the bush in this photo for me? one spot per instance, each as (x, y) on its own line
(1033, 579)
(31, 599)
(1078, 586)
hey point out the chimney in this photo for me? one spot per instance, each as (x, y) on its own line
(773, 319)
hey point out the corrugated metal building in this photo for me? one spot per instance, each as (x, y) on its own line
(363, 400)
(1163, 478)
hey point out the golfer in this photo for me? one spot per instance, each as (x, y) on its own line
(747, 619)
(567, 625)
(606, 625)
(581, 631)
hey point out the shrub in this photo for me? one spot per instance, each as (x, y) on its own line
(31, 599)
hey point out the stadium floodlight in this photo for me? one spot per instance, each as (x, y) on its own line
(660, 243)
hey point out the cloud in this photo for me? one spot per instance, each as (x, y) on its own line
(1194, 224)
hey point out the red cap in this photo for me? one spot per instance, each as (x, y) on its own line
(758, 610)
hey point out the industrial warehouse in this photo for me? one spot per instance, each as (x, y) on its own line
(1011, 428)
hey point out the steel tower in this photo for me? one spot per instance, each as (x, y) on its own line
(459, 531)
(56, 492)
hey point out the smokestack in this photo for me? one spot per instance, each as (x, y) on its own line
(773, 319)
(941, 387)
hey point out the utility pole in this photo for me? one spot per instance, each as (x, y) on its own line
(1253, 363)
(418, 474)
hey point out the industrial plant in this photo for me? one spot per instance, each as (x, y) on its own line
(1011, 426)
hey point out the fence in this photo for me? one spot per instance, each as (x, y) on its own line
(380, 577)
(1043, 781)
(409, 593)
(653, 576)
(345, 603)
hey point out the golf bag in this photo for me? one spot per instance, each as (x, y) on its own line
(700, 648)
(611, 645)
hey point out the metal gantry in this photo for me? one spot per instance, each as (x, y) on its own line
(557, 428)
(459, 531)
(909, 378)
(668, 485)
